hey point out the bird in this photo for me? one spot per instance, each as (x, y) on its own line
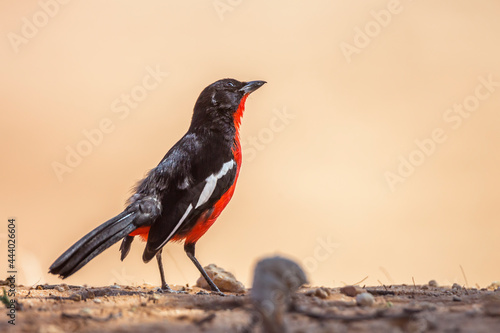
(182, 197)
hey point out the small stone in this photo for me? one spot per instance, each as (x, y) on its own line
(154, 298)
(456, 286)
(494, 286)
(59, 288)
(456, 299)
(425, 287)
(115, 286)
(322, 293)
(318, 292)
(75, 297)
(86, 311)
(351, 291)
(433, 283)
(97, 300)
(90, 294)
(365, 299)
(223, 279)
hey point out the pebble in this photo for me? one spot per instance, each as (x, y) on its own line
(75, 297)
(456, 286)
(351, 291)
(115, 286)
(222, 279)
(456, 299)
(433, 283)
(97, 300)
(86, 311)
(494, 286)
(154, 298)
(319, 292)
(365, 299)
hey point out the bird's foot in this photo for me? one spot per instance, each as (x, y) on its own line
(217, 293)
(213, 292)
(165, 289)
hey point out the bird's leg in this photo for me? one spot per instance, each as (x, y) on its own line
(189, 248)
(164, 286)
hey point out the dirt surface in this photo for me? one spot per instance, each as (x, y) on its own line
(62, 308)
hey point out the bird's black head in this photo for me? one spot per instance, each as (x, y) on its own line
(220, 101)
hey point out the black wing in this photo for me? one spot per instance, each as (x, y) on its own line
(198, 177)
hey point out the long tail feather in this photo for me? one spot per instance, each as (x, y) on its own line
(93, 244)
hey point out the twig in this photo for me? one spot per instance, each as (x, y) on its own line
(376, 292)
(465, 277)
(354, 284)
(386, 273)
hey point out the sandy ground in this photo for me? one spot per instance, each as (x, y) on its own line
(62, 308)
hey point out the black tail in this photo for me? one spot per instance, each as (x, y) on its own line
(93, 244)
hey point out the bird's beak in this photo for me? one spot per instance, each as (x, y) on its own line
(252, 86)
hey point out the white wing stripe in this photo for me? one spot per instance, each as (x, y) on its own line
(212, 183)
(209, 188)
(186, 213)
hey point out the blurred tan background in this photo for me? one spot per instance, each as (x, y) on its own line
(332, 175)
